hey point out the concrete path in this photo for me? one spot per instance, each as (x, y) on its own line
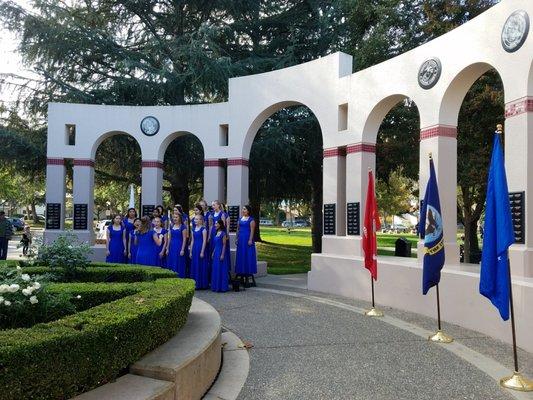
(314, 346)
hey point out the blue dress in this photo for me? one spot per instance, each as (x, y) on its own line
(199, 266)
(160, 261)
(145, 248)
(175, 262)
(246, 262)
(129, 229)
(220, 272)
(133, 248)
(116, 245)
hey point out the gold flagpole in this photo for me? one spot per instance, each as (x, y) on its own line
(439, 336)
(516, 381)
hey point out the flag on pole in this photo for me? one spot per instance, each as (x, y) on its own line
(430, 228)
(370, 227)
(498, 235)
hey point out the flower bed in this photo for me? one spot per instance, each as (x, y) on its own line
(114, 325)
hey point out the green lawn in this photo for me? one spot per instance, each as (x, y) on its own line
(291, 253)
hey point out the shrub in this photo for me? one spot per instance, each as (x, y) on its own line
(65, 254)
(25, 301)
(62, 358)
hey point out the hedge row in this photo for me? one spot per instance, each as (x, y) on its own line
(60, 359)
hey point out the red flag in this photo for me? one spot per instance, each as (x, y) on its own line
(370, 227)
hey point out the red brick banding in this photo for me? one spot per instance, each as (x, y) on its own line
(361, 148)
(438, 131)
(83, 162)
(519, 106)
(55, 161)
(213, 162)
(334, 152)
(237, 162)
(151, 164)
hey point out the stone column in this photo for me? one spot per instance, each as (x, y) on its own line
(441, 141)
(360, 157)
(55, 198)
(518, 136)
(152, 184)
(238, 182)
(83, 199)
(334, 196)
(214, 180)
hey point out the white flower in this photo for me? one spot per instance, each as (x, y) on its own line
(4, 288)
(18, 268)
(33, 300)
(7, 303)
(13, 288)
(36, 285)
(78, 296)
(27, 292)
(25, 277)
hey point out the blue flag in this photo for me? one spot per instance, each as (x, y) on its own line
(430, 228)
(498, 235)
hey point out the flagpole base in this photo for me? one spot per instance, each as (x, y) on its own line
(440, 337)
(374, 312)
(517, 382)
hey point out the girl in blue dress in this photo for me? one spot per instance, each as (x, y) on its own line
(217, 214)
(128, 221)
(246, 262)
(116, 241)
(164, 217)
(177, 242)
(133, 248)
(161, 249)
(199, 256)
(145, 240)
(197, 211)
(220, 271)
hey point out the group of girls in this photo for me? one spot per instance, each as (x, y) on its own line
(199, 250)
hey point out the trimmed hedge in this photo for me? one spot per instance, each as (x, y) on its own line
(60, 359)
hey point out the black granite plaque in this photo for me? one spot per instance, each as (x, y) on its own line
(80, 217)
(148, 209)
(329, 219)
(517, 200)
(233, 212)
(352, 219)
(53, 215)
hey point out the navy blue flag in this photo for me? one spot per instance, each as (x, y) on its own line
(498, 235)
(430, 228)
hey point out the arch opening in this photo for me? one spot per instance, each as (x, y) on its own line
(286, 185)
(183, 163)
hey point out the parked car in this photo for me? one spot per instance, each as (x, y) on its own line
(301, 223)
(399, 228)
(287, 224)
(16, 223)
(101, 227)
(266, 222)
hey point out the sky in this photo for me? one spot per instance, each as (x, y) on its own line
(10, 61)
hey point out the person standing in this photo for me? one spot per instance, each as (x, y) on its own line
(6, 232)
(246, 262)
(128, 224)
(199, 265)
(132, 255)
(146, 240)
(219, 271)
(116, 241)
(26, 240)
(177, 242)
(218, 214)
(160, 250)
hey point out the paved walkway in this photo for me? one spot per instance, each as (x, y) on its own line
(315, 346)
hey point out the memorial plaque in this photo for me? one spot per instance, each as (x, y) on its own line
(80, 217)
(329, 219)
(233, 212)
(148, 209)
(516, 201)
(53, 215)
(352, 219)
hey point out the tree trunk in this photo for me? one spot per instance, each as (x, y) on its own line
(28, 212)
(471, 244)
(34, 213)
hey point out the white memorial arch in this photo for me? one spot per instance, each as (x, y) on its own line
(350, 108)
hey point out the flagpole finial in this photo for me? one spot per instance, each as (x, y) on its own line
(499, 129)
